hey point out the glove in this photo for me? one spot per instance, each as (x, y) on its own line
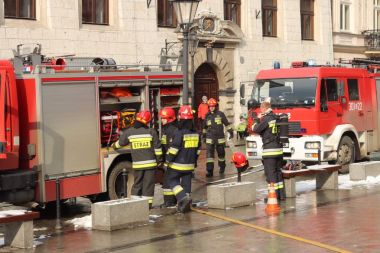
(164, 166)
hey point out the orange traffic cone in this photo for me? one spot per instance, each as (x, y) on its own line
(272, 205)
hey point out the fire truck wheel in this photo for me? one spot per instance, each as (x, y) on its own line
(345, 153)
(115, 180)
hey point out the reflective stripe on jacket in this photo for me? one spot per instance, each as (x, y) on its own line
(183, 153)
(213, 126)
(268, 130)
(145, 146)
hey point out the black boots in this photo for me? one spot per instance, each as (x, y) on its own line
(184, 205)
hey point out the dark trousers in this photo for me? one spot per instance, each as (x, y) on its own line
(273, 174)
(210, 156)
(179, 182)
(169, 197)
(144, 183)
(241, 135)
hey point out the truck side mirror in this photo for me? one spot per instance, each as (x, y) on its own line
(242, 94)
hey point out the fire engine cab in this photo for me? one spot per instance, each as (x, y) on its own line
(58, 119)
(333, 112)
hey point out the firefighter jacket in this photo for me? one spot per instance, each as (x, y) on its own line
(168, 135)
(268, 130)
(183, 153)
(214, 127)
(145, 146)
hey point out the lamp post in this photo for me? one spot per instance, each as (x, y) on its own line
(193, 45)
(185, 11)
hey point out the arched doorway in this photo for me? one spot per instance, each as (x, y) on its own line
(205, 83)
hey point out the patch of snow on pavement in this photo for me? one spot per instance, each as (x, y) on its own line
(82, 222)
(345, 182)
(11, 213)
(305, 186)
(154, 216)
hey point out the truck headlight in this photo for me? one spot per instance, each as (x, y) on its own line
(313, 145)
(251, 144)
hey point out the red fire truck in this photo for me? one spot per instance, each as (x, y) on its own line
(333, 112)
(57, 123)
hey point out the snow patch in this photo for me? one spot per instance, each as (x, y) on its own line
(154, 216)
(40, 229)
(345, 182)
(82, 222)
(12, 213)
(306, 186)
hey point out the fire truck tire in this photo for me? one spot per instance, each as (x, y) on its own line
(115, 180)
(345, 153)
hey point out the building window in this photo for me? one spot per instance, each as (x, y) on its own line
(345, 7)
(269, 16)
(307, 19)
(376, 22)
(25, 9)
(165, 14)
(95, 12)
(232, 10)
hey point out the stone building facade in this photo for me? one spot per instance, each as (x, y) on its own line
(355, 29)
(233, 46)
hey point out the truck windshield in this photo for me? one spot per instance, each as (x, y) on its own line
(298, 92)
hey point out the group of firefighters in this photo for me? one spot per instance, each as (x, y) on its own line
(178, 150)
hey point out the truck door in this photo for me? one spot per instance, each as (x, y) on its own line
(354, 109)
(331, 108)
(3, 141)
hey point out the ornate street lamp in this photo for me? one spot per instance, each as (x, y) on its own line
(185, 11)
(193, 45)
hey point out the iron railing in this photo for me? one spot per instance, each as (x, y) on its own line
(372, 39)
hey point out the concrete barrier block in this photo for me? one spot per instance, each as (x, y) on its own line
(120, 213)
(19, 234)
(360, 171)
(327, 180)
(290, 187)
(158, 198)
(231, 195)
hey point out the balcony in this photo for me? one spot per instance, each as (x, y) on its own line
(372, 41)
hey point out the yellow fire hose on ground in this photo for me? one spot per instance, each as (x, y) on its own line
(271, 231)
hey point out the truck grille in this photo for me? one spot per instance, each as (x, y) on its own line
(294, 127)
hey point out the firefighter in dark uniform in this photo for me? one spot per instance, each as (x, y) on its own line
(169, 126)
(272, 148)
(213, 131)
(181, 158)
(145, 151)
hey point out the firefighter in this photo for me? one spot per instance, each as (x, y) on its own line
(181, 158)
(272, 148)
(213, 131)
(169, 123)
(146, 151)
